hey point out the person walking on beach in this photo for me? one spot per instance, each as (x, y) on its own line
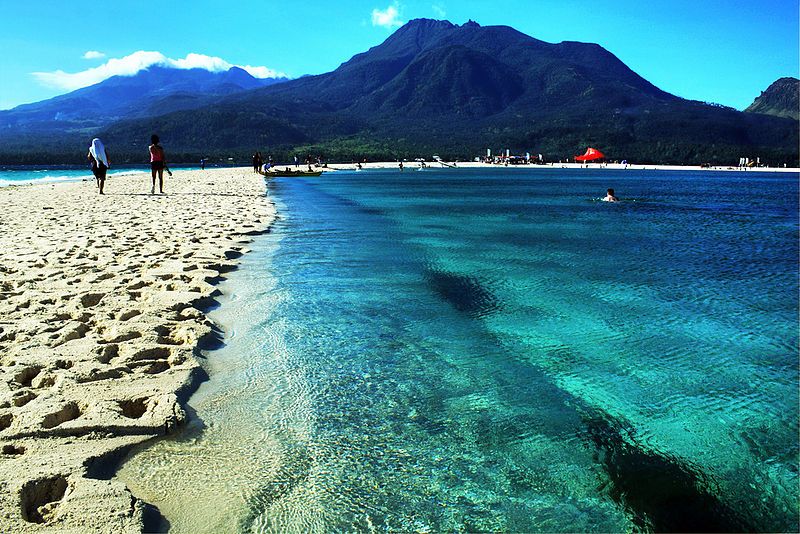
(257, 162)
(158, 161)
(202, 164)
(98, 157)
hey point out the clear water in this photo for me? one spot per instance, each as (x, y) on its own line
(469, 351)
(27, 174)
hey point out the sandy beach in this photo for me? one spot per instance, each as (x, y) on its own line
(100, 326)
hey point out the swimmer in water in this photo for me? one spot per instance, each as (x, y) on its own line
(610, 196)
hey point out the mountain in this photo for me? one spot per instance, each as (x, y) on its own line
(426, 52)
(436, 87)
(780, 99)
(153, 91)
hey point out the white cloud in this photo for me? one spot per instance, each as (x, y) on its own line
(200, 61)
(263, 72)
(438, 9)
(388, 18)
(133, 63)
(93, 54)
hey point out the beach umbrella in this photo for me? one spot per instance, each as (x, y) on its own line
(591, 154)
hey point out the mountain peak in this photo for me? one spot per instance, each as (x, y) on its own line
(407, 41)
(423, 24)
(780, 99)
(432, 24)
(423, 29)
(240, 77)
(237, 70)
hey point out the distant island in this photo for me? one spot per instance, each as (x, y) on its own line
(432, 87)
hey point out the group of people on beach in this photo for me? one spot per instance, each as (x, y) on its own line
(259, 162)
(100, 162)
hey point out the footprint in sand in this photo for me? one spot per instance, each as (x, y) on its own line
(5, 420)
(128, 314)
(22, 397)
(23, 377)
(90, 300)
(40, 498)
(105, 353)
(68, 412)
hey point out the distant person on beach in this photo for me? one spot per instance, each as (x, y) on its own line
(257, 161)
(158, 161)
(203, 164)
(296, 162)
(401, 166)
(98, 157)
(610, 196)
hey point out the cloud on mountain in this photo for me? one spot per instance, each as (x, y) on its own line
(387, 18)
(140, 60)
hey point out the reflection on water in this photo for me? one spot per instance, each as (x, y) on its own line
(452, 350)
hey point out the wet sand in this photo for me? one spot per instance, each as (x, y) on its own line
(100, 325)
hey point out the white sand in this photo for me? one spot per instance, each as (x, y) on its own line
(99, 326)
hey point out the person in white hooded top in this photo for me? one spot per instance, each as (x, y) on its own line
(98, 157)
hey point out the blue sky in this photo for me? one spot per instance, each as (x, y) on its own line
(718, 51)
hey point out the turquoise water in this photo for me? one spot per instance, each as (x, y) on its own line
(18, 175)
(472, 351)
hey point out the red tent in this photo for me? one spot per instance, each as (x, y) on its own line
(590, 155)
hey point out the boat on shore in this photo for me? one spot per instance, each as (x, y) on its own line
(289, 172)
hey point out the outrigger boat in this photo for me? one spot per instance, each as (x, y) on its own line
(289, 172)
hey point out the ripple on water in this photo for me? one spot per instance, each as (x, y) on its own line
(484, 353)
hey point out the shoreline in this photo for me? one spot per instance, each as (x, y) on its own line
(193, 478)
(101, 329)
(591, 166)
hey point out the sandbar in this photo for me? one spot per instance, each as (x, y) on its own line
(101, 325)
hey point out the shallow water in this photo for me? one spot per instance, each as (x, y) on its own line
(471, 350)
(30, 174)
